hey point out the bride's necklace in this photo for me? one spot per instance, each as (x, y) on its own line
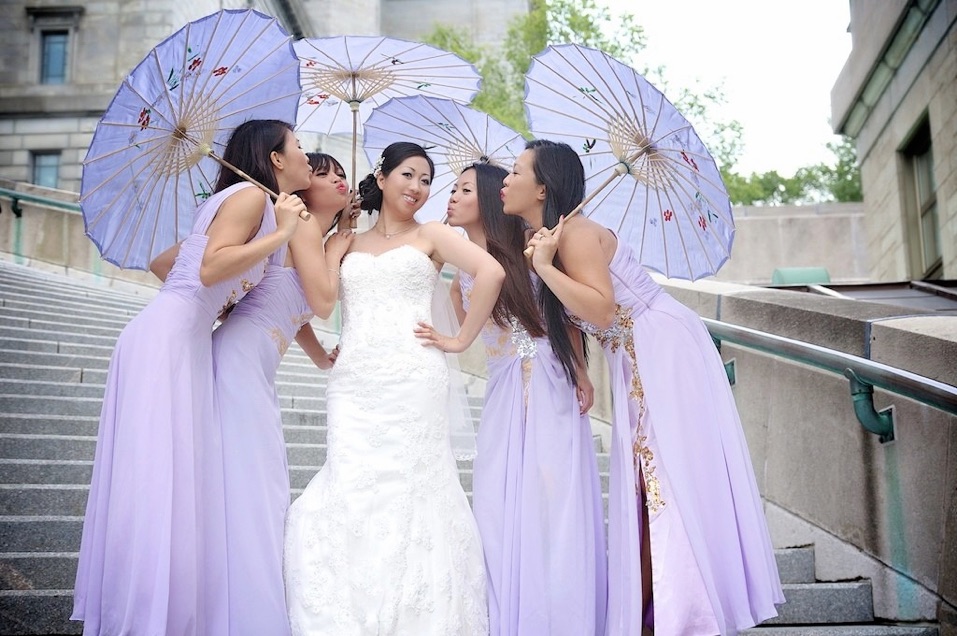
(389, 235)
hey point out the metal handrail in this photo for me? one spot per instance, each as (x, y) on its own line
(16, 196)
(860, 371)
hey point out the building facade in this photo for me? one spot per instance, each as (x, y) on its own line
(897, 97)
(61, 61)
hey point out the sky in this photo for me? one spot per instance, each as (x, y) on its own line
(777, 61)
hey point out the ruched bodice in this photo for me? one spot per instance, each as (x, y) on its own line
(635, 291)
(183, 279)
(277, 306)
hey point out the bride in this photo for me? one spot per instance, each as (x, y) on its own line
(382, 540)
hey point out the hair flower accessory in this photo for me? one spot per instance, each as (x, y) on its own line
(377, 168)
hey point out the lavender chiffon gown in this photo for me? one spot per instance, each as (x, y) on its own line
(676, 424)
(153, 552)
(536, 494)
(247, 350)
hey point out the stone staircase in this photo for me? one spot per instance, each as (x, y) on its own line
(56, 337)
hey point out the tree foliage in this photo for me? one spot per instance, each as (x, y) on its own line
(587, 23)
(839, 182)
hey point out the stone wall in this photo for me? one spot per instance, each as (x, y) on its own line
(829, 235)
(485, 20)
(923, 87)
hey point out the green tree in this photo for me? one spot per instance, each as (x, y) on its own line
(840, 182)
(587, 23)
(843, 180)
(498, 96)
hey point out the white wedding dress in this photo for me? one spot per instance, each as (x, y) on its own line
(382, 541)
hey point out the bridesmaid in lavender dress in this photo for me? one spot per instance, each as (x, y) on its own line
(300, 281)
(536, 494)
(153, 552)
(689, 549)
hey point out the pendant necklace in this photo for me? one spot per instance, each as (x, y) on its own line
(390, 235)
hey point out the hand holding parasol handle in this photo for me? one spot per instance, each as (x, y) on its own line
(305, 216)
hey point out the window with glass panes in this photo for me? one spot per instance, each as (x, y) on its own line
(46, 169)
(53, 53)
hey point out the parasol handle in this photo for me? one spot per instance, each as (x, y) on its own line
(305, 216)
(347, 221)
(581, 206)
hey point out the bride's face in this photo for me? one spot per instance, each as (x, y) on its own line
(406, 188)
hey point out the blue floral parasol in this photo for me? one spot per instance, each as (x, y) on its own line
(650, 177)
(154, 154)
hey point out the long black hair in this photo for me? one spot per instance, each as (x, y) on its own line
(558, 168)
(392, 156)
(505, 240)
(249, 149)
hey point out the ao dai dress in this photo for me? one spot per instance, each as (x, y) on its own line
(153, 552)
(536, 494)
(247, 350)
(675, 425)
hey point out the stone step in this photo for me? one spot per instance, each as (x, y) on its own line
(77, 447)
(67, 348)
(844, 630)
(37, 570)
(59, 286)
(50, 405)
(46, 471)
(40, 373)
(819, 603)
(59, 325)
(289, 379)
(36, 333)
(38, 612)
(68, 447)
(38, 388)
(45, 424)
(45, 359)
(92, 302)
(37, 533)
(43, 499)
(796, 565)
(292, 394)
(56, 569)
(68, 307)
(78, 319)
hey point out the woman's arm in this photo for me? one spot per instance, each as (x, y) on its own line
(318, 265)
(447, 246)
(227, 251)
(585, 389)
(306, 337)
(455, 292)
(585, 287)
(163, 264)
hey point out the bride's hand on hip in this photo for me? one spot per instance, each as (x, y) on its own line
(432, 338)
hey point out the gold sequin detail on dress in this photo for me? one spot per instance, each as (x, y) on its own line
(282, 344)
(621, 334)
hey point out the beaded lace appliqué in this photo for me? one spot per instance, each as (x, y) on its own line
(620, 334)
